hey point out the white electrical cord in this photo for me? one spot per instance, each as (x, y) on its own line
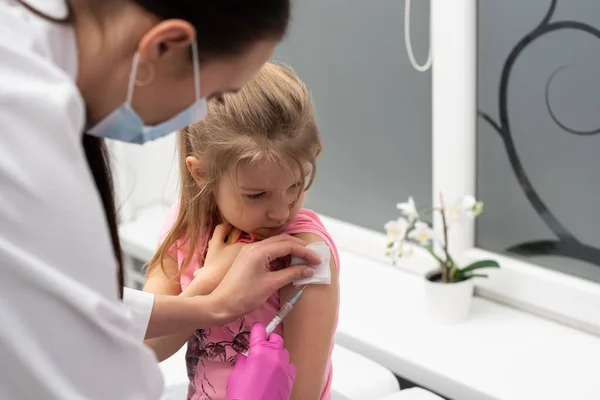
(409, 50)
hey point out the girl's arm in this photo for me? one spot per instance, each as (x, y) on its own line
(217, 262)
(309, 330)
(205, 280)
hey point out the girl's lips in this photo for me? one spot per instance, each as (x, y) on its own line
(269, 231)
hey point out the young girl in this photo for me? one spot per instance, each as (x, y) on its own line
(245, 170)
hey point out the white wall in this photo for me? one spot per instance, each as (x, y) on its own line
(144, 175)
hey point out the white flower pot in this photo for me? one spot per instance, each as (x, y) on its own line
(447, 303)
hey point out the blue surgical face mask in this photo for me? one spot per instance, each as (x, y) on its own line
(124, 123)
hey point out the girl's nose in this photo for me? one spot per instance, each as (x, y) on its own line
(280, 213)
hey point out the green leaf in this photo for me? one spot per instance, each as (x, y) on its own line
(476, 276)
(390, 245)
(458, 275)
(455, 274)
(481, 264)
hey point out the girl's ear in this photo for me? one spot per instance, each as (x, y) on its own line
(196, 168)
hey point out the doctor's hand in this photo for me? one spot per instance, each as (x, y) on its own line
(246, 286)
(250, 281)
(266, 374)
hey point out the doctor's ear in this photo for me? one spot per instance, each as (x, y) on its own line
(196, 169)
(168, 38)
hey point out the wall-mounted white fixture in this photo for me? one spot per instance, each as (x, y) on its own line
(408, 42)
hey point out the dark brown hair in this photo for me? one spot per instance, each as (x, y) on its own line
(98, 161)
(226, 27)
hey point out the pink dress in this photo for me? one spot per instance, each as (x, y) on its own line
(210, 354)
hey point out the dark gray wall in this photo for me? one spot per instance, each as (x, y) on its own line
(563, 169)
(374, 109)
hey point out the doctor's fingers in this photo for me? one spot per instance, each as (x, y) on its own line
(283, 237)
(278, 279)
(269, 251)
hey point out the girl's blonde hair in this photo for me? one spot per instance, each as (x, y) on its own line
(270, 119)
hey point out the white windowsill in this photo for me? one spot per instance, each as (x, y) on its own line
(499, 353)
(551, 294)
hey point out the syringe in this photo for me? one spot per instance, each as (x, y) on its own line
(281, 314)
(287, 307)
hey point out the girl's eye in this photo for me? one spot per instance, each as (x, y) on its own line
(255, 196)
(298, 185)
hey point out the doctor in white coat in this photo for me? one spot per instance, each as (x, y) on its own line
(131, 70)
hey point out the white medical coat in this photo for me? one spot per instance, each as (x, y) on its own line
(64, 333)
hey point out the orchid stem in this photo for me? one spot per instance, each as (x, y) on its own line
(445, 267)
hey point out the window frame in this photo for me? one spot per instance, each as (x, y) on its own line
(533, 288)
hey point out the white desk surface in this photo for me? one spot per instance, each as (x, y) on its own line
(499, 353)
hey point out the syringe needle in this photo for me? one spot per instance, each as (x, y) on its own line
(285, 309)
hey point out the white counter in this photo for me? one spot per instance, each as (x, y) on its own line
(498, 354)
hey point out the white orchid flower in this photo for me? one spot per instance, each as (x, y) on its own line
(465, 208)
(409, 209)
(396, 229)
(422, 233)
(477, 208)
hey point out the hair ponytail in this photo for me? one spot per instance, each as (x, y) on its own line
(97, 158)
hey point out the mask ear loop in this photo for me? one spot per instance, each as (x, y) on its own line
(131, 84)
(196, 69)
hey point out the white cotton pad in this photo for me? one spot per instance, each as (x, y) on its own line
(322, 275)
